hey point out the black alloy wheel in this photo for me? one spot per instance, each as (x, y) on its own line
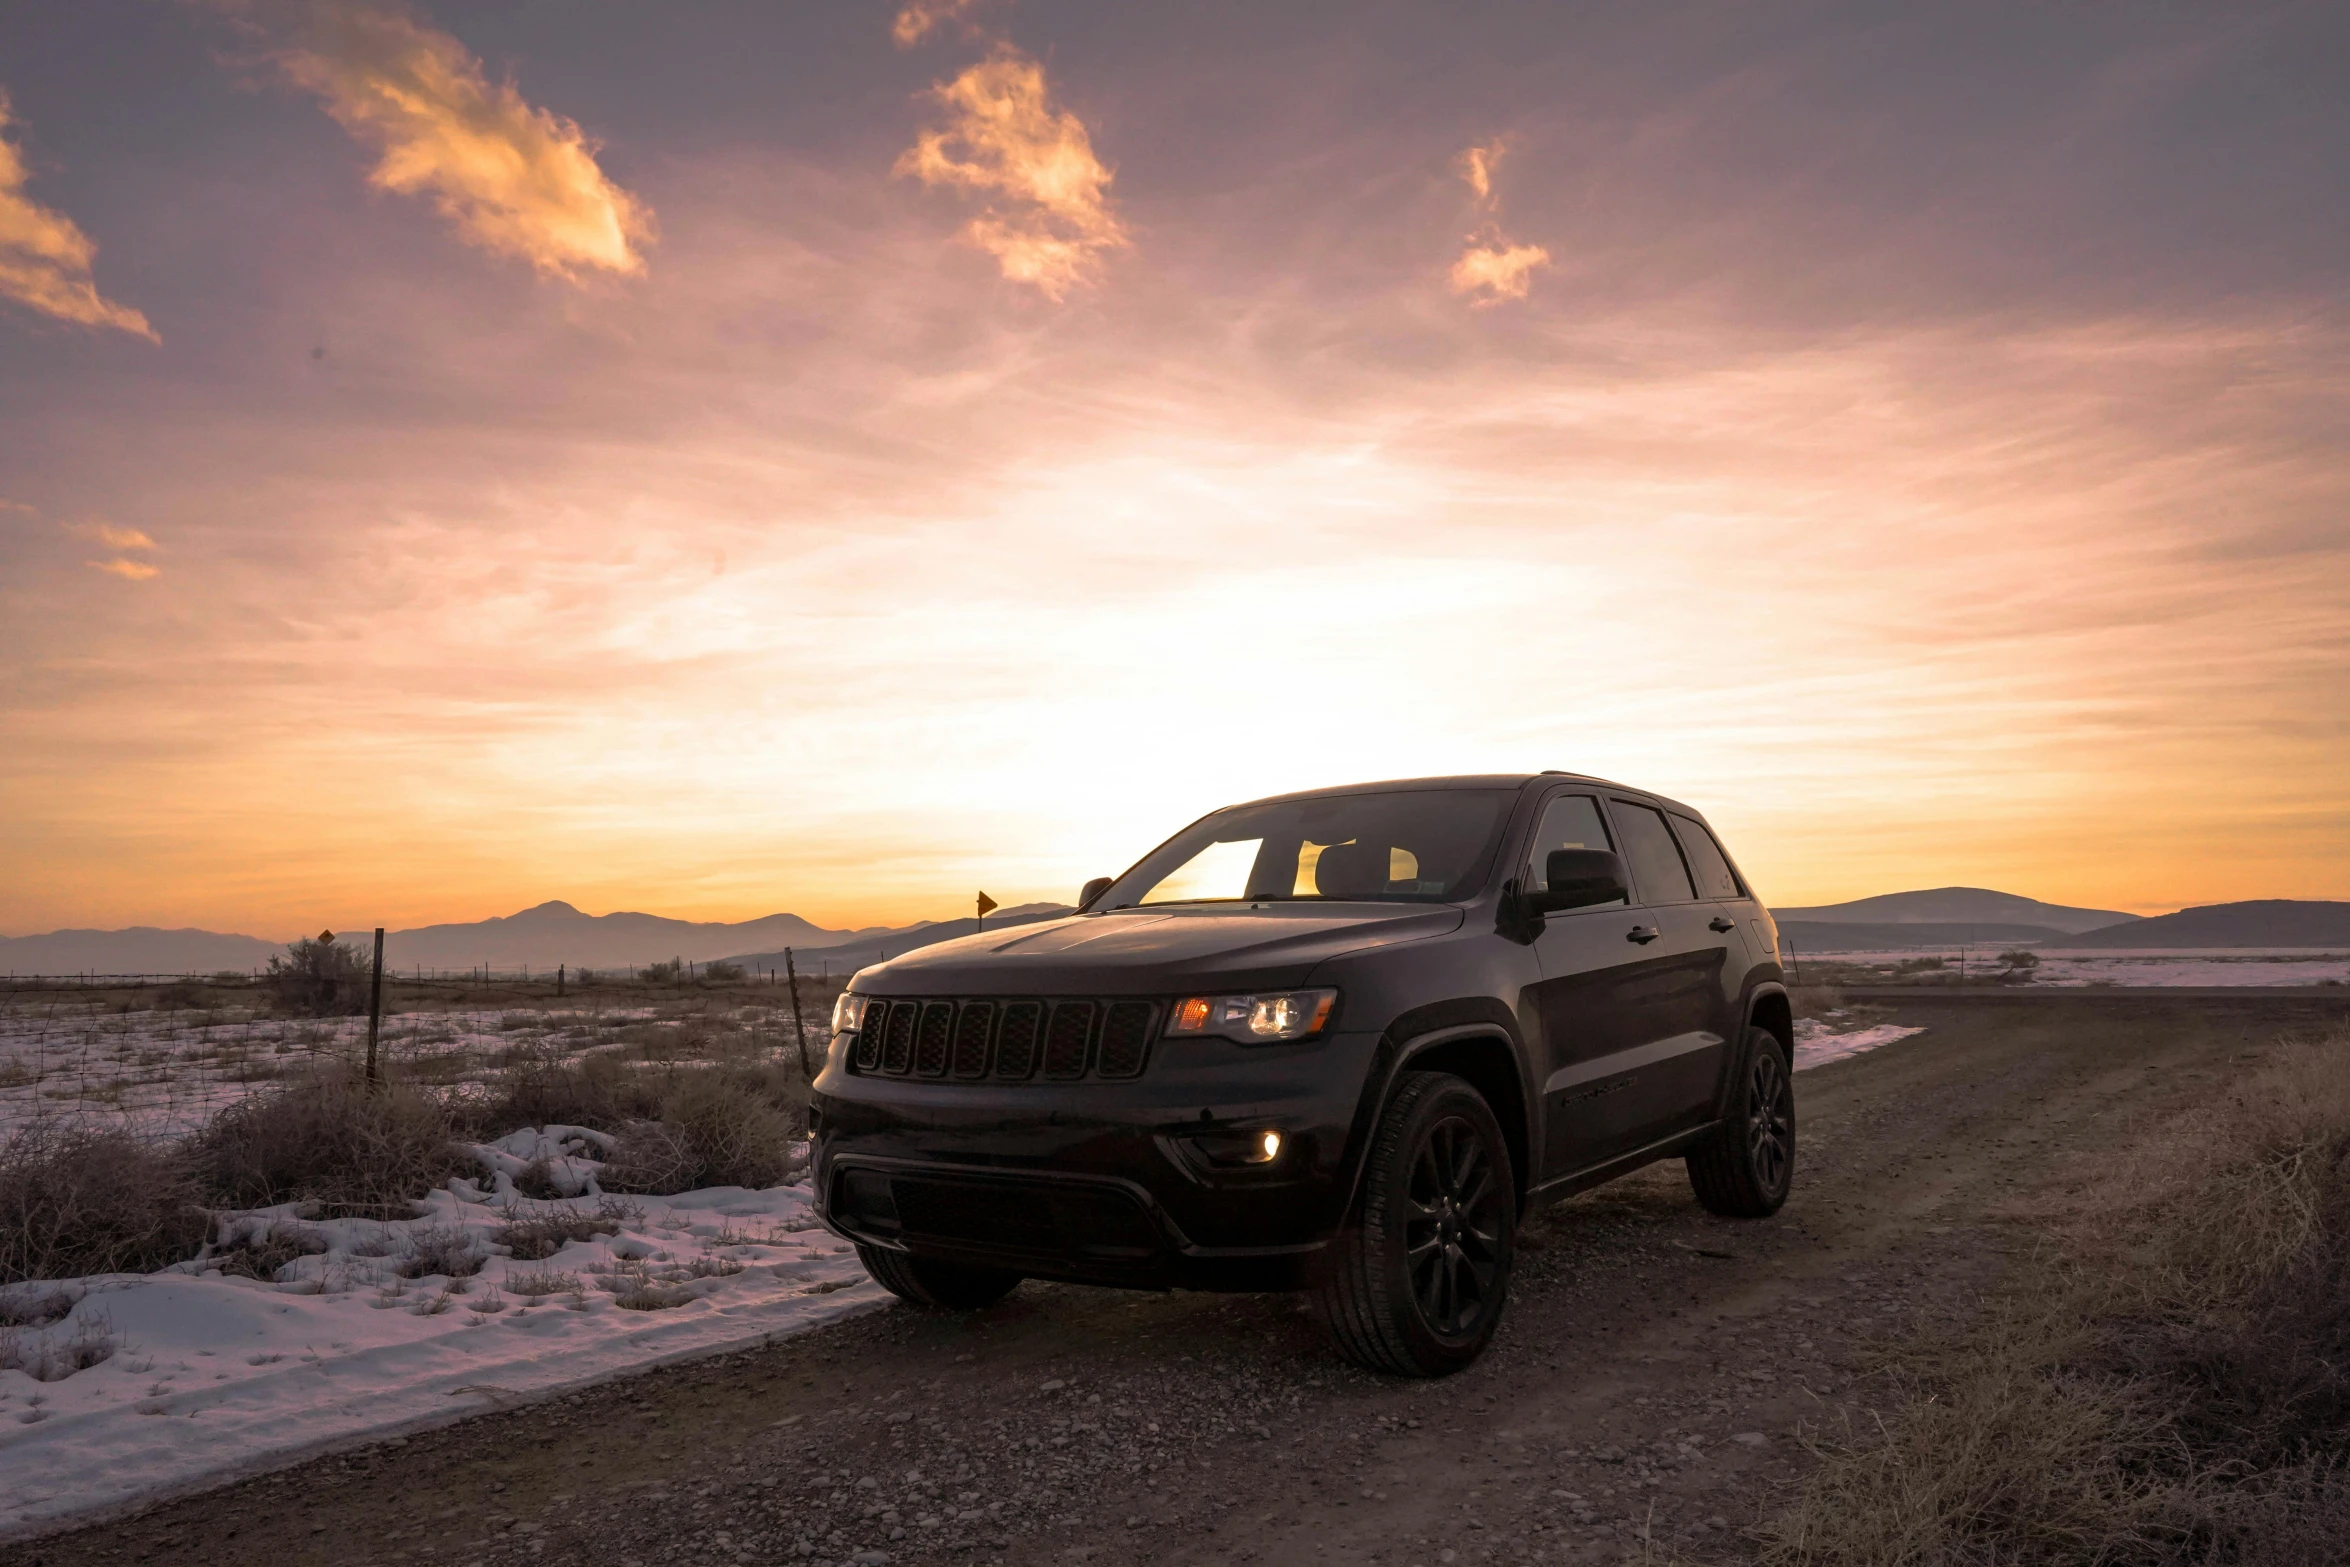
(1770, 1121)
(1419, 1275)
(1746, 1169)
(1452, 1226)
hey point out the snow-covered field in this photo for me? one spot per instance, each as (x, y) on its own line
(195, 1374)
(289, 1336)
(166, 1072)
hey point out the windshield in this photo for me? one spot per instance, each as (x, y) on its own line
(1425, 845)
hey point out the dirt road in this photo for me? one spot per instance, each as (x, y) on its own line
(1644, 1394)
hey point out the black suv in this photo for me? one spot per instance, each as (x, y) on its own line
(1336, 1041)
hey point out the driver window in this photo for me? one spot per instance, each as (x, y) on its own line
(1571, 821)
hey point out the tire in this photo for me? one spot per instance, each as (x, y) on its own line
(1420, 1274)
(1746, 1170)
(942, 1285)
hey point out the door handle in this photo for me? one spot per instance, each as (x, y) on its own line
(1717, 923)
(1644, 934)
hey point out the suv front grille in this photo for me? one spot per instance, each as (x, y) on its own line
(1006, 1041)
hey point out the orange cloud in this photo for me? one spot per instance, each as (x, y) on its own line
(513, 179)
(1006, 137)
(918, 19)
(118, 538)
(1494, 271)
(45, 257)
(1477, 166)
(135, 570)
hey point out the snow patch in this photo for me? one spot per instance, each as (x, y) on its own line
(1816, 1045)
(160, 1383)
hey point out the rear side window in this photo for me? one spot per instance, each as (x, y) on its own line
(1657, 871)
(1715, 880)
(1572, 821)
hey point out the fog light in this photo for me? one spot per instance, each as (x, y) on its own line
(1235, 1145)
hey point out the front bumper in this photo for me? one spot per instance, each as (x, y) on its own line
(1100, 1182)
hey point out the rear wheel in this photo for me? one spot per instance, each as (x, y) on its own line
(941, 1284)
(1745, 1170)
(1419, 1276)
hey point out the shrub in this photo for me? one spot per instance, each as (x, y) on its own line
(533, 1233)
(542, 1089)
(331, 1139)
(443, 1250)
(717, 1128)
(723, 973)
(261, 1258)
(320, 978)
(80, 1200)
(668, 973)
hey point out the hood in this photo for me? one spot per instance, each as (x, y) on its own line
(1155, 951)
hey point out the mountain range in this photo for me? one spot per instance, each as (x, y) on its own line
(556, 932)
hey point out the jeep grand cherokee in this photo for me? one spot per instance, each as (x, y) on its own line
(1338, 1041)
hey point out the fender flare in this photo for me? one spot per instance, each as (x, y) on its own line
(1414, 1034)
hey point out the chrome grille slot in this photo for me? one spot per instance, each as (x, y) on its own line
(931, 1037)
(1015, 1049)
(971, 1030)
(897, 1045)
(866, 1055)
(1068, 1038)
(1126, 1038)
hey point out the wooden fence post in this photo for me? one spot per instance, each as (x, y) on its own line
(792, 975)
(375, 1003)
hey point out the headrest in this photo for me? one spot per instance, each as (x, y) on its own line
(1349, 870)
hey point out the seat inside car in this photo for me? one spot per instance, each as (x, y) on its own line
(1351, 870)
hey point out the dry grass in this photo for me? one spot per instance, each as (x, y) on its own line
(2178, 1392)
(329, 1139)
(533, 1232)
(718, 1127)
(78, 1200)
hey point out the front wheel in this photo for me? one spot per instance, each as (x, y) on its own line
(1745, 1169)
(1419, 1276)
(939, 1284)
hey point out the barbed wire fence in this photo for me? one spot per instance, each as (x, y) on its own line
(160, 1054)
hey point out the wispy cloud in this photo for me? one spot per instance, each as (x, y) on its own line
(918, 19)
(512, 178)
(121, 566)
(45, 257)
(1477, 166)
(115, 538)
(1006, 137)
(1491, 272)
(1492, 269)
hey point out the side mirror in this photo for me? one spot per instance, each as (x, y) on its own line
(1579, 879)
(1090, 891)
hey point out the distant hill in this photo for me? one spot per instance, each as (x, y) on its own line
(1823, 936)
(847, 957)
(2264, 922)
(142, 949)
(556, 933)
(1957, 906)
(539, 938)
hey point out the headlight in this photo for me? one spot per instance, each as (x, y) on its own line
(847, 1013)
(1254, 1019)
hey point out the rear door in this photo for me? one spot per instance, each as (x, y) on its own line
(1679, 982)
(1591, 1021)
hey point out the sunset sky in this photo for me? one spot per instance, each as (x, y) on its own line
(724, 458)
